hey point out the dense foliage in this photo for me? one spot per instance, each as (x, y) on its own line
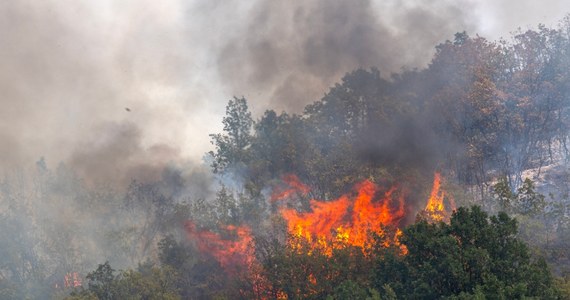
(472, 257)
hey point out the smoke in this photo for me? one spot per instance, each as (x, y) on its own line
(498, 18)
(290, 52)
(118, 156)
(68, 69)
(407, 143)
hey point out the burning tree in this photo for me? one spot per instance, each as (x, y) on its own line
(347, 221)
(343, 232)
(435, 210)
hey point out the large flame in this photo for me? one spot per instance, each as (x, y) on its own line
(351, 220)
(346, 221)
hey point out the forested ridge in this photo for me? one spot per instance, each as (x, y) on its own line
(492, 118)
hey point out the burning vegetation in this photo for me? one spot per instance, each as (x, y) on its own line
(232, 247)
(358, 219)
(435, 210)
(347, 221)
(363, 226)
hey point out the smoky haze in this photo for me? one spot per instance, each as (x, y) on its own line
(69, 69)
(104, 87)
(290, 52)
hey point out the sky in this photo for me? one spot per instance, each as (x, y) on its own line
(70, 68)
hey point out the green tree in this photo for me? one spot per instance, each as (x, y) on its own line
(351, 290)
(529, 201)
(149, 283)
(232, 146)
(504, 195)
(303, 272)
(102, 282)
(226, 207)
(525, 201)
(474, 255)
(172, 253)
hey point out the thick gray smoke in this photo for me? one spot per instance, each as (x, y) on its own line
(99, 85)
(290, 52)
(69, 69)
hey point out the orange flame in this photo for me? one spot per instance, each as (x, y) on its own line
(435, 210)
(233, 248)
(232, 252)
(345, 221)
(351, 220)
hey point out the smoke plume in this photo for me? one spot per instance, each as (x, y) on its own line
(70, 69)
(291, 52)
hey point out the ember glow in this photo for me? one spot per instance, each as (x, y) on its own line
(347, 221)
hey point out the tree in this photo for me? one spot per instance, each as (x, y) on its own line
(172, 253)
(529, 202)
(467, 105)
(474, 255)
(102, 282)
(232, 146)
(525, 201)
(352, 290)
(305, 272)
(503, 194)
(226, 207)
(150, 209)
(146, 283)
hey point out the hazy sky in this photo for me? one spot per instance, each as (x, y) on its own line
(69, 68)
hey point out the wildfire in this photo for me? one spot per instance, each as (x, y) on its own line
(435, 210)
(351, 220)
(345, 221)
(232, 251)
(233, 248)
